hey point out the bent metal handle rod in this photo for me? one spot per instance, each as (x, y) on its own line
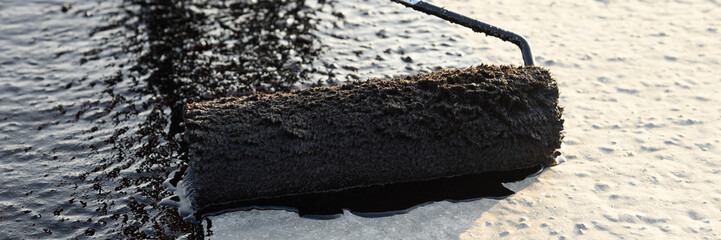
(476, 25)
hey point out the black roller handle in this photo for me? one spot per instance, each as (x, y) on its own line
(476, 25)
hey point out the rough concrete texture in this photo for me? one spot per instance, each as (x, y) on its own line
(420, 127)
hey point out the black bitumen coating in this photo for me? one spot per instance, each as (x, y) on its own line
(425, 126)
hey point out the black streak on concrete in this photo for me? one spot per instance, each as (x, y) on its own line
(422, 127)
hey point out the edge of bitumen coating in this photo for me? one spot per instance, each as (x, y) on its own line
(381, 131)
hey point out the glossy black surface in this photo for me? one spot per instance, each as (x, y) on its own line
(384, 200)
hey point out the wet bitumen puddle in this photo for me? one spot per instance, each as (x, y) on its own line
(91, 97)
(383, 200)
